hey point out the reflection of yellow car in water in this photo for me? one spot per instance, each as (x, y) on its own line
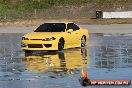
(55, 36)
(66, 61)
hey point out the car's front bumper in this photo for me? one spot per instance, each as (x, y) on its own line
(39, 45)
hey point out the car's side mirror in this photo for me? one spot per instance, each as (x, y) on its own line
(70, 30)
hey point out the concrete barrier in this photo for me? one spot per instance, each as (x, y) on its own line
(124, 14)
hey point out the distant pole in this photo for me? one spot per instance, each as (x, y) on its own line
(5, 16)
(35, 13)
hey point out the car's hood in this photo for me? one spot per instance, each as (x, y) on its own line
(41, 35)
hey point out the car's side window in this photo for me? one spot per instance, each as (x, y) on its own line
(72, 26)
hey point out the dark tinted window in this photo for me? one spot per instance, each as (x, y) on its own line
(51, 27)
(72, 26)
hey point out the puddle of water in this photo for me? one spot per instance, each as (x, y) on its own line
(108, 57)
(111, 57)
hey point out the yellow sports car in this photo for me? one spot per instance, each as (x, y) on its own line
(55, 36)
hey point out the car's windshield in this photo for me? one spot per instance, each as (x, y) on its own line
(51, 27)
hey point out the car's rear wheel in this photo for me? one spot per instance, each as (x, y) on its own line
(61, 45)
(83, 41)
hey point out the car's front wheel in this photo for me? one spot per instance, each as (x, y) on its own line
(60, 45)
(83, 41)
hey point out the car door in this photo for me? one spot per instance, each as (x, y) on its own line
(75, 37)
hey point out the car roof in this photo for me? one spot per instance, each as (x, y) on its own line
(58, 22)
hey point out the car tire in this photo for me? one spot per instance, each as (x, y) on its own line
(60, 45)
(83, 41)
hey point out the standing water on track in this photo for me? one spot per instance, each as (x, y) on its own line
(107, 57)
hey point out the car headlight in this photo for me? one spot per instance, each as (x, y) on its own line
(24, 38)
(49, 39)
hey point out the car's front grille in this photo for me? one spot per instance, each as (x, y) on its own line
(35, 46)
